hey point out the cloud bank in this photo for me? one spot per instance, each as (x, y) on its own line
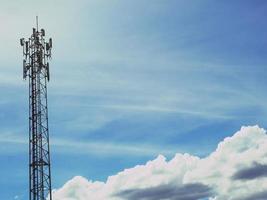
(236, 170)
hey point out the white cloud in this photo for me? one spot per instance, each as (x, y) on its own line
(212, 176)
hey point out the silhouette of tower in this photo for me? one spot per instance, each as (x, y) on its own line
(36, 53)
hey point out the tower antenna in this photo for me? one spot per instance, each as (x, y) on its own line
(36, 53)
(37, 22)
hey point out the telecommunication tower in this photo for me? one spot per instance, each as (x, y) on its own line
(36, 53)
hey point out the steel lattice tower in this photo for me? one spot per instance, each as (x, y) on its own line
(37, 52)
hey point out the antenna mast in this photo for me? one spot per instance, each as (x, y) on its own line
(37, 22)
(36, 53)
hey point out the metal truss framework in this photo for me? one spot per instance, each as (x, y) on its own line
(37, 52)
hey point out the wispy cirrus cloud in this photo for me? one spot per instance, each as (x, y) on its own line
(68, 146)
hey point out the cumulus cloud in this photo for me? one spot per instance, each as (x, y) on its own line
(253, 172)
(256, 196)
(171, 191)
(235, 170)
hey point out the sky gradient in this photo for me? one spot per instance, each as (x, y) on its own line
(131, 80)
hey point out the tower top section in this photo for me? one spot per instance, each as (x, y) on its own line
(36, 52)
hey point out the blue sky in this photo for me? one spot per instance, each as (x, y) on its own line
(131, 80)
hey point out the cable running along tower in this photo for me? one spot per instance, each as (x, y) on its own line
(36, 53)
